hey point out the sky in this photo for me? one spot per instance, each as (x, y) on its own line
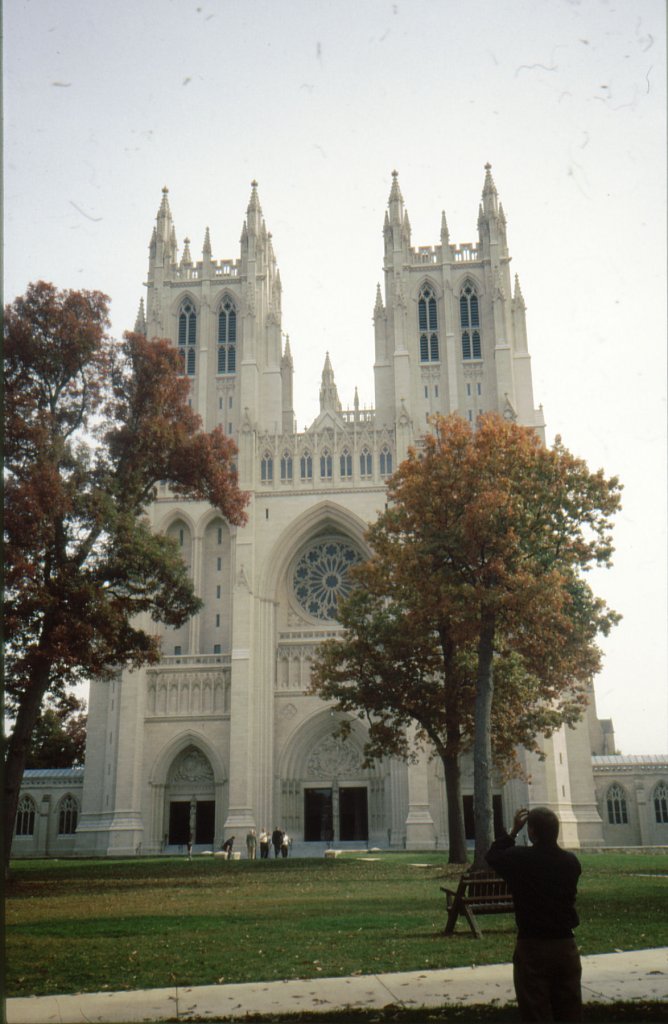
(320, 101)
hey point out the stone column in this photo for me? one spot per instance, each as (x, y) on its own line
(420, 830)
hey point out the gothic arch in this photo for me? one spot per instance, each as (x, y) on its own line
(428, 282)
(211, 515)
(471, 279)
(326, 516)
(226, 293)
(185, 296)
(318, 728)
(173, 516)
(176, 746)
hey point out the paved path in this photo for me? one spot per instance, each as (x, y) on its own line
(610, 976)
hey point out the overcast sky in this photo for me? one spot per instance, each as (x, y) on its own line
(320, 100)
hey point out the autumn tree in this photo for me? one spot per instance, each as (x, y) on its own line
(490, 534)
(91, 427)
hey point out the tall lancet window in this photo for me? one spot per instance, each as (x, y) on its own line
(188, 336)
(227, 338)
(428, 326)
(469, 319)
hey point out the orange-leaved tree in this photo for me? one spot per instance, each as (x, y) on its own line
(486, 539)
(91, 426)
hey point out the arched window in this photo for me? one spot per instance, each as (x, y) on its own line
(616, 799)
(68, 816)
(188, 336)
(469, 319)
(326, 465)
(661, 804)
(25, 817)
(346, 464)
(385, 461)
(366, 464)
(306, 466)
(267, 468)
(286, 467)
(428, 326)
(227, 338)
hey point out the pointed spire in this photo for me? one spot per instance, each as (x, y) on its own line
(518, 297)
(164, 210)
(356, 402)
(396, 201)
(206, 248)
(164, 231)
(445, 234)
(406, 228)
(489, 193)
(140, 322)
(254, 211)
(287, 353)
(186, 258)
(379, 308)
(329, 396)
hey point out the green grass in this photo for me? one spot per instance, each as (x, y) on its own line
(76, 926)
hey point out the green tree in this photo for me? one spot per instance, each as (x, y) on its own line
(488, 534)
(59, 737)
(91, 427)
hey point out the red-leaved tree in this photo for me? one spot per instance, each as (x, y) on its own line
(92, 425)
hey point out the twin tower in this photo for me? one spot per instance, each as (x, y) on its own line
(223, 734)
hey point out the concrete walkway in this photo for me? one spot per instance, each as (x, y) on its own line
(606, 977)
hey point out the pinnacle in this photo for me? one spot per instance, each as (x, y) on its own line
(489, 185)
(254, 202)
(164, 204)
(395, 191)
(206, 248)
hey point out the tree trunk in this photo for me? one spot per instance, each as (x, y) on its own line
(18, 745)
(482, 744)
(457, 852)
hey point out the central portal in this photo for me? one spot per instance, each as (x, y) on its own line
(339, 814)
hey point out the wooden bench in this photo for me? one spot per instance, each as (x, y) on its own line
(478, 893)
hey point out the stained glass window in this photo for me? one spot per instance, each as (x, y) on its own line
(321, 576)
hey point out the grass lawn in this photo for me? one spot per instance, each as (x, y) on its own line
(77, 926)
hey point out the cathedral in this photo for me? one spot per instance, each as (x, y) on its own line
(222, 735)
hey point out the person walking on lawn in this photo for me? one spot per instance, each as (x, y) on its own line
(543, 879)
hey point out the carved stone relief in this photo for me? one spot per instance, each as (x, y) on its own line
(334, 757)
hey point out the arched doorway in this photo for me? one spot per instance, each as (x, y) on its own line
(190, 801)
(326, 794)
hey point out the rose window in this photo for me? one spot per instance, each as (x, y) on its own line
(321, 576)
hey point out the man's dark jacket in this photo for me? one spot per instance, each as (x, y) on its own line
(543, 880)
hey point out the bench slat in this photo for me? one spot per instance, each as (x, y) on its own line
(478, 892)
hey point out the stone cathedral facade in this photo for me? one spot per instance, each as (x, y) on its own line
(222, 734)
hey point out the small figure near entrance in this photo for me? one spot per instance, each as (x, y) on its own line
(277, 840)
(286, 843)
(227, 847)
(251, 843)
(543, 879)
(189, 846)
(264, 844)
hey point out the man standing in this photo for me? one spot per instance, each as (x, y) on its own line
(277, 840)
(543, 879)
(251, 843)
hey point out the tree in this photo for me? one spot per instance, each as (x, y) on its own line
(394, 668)
(91, 427)
(59, 737)
(490, 533)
